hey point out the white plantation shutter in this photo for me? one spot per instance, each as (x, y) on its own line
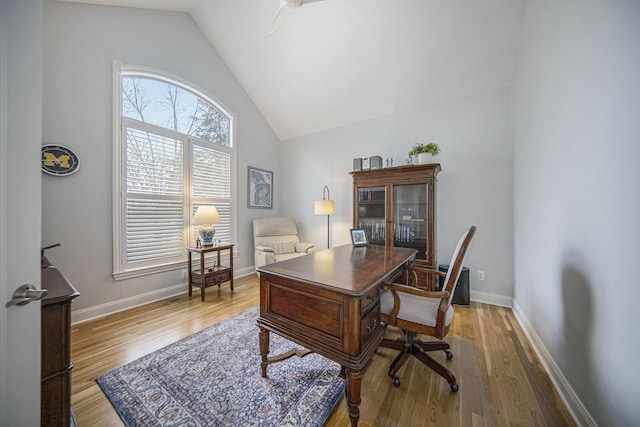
(154, 229)
(154, 193)
(154, 163)
(156, 226)
(211, 185)
(211, 173)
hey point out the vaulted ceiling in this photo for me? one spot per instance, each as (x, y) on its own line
(338, 62)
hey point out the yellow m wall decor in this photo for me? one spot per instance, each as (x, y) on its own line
(59, 160)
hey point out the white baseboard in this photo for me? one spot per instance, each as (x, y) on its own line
(86, 314)
(574, 405)
(493, 299)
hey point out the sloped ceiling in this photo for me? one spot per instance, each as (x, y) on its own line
(338, 62)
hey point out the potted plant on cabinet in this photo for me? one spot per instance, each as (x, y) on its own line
(425, 153)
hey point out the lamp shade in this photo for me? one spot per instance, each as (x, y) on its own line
(323, 207)
(206, 215)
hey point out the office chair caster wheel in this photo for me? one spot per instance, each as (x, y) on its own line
(448, 354)
(395, 381)
(454, 387)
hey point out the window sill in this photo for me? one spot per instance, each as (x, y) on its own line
(145, 271)
(138, 272)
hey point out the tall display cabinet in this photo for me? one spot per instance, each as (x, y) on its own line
(397, 207)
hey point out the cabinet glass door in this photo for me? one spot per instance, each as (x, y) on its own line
(370, 213)
(410, 217)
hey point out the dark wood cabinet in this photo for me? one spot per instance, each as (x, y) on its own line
(397, 207)
(56, 348)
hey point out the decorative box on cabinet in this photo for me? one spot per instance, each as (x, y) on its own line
(397, 207)
(55, 394)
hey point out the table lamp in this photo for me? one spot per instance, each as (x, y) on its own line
(205, 216)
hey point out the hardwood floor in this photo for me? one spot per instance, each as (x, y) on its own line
(518, 391)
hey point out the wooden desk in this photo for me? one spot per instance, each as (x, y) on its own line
(210, 276)
(329, 303)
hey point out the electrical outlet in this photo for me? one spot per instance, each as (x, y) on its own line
(184, 274)
(480, 274)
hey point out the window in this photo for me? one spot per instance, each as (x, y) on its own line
(173, 152)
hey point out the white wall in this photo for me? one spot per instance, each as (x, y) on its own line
(474, 187)
(577, 199)
(80, 43)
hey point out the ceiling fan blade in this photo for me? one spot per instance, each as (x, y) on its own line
(276, 23)
(285, 5)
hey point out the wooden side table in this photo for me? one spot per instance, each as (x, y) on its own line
(209, 276)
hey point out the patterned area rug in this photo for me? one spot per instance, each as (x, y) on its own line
(213, 378)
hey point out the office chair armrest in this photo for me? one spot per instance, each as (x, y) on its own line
(394, 287)
(425, 271)
(422, 269)
(421, 266)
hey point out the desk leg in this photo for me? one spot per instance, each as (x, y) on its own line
(263, 335)
(352, 395)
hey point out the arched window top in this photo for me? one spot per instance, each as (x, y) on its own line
(163, 102)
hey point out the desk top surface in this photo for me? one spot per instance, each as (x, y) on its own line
(350, 269)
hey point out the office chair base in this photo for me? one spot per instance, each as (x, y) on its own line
(396, 382)
(418, 349)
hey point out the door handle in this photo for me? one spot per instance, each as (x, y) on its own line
(25, 294)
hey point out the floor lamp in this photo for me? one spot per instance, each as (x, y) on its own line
(324, 207)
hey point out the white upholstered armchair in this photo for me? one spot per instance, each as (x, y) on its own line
(276, 239)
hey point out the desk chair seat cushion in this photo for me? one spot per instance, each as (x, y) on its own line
(414, 308)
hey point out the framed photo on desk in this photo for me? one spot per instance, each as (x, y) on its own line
(358, 237)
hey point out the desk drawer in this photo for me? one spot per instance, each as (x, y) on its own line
(370, 300)
(369, 324)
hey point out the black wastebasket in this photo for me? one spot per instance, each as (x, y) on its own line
(461, 294)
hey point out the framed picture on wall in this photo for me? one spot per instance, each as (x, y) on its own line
(259, 188)
(358, 238)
